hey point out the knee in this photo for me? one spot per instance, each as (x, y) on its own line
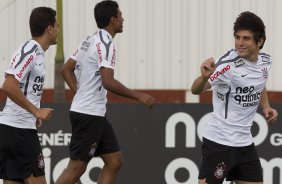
(115, 163)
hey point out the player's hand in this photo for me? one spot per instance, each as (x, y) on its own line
(207, 67)
(270, 115)
(38, 123)
(147, 100)
(44, 114)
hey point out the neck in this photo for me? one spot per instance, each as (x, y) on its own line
(253, 57)
(42, 42)
(110, 31)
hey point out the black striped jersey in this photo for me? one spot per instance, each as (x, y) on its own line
(27, 66)
(237, 85)
(95, 51)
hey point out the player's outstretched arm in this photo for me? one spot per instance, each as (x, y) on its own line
(111, 84)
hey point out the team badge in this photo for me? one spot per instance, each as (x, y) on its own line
(41, 163)
(220, 169)
(93, 148)
(264, 73)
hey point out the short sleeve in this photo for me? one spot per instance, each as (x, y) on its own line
(21, 65)
(106, 55)
(77, 55)
(222, 74)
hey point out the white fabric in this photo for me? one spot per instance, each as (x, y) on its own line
(96, 51)
(27, 65)
(237, 85)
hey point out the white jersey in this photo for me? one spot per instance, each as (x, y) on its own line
(27, 65)
(96, 51)
(237, 85)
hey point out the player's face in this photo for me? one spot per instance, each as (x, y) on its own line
(119, 22)
(246, 45)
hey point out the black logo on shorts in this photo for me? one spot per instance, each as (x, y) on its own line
(92, 151)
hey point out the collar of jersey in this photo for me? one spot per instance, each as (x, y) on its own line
(107, 33)
(39, 46)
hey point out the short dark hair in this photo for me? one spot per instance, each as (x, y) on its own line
(40, 18)
(103, 12)
(251, 22)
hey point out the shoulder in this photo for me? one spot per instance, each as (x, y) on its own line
(30, 47)
(104, 37)
(87, 42)
(26, 53)
(227, 59)
(232, 58)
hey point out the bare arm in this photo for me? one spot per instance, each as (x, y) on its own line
(11, 87)
(118, 88)
(201, 83)
(269, 113)
(264, 100)
(68, 74)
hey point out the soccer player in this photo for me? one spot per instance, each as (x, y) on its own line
(21, 159)
(90, 73)
(238, 80)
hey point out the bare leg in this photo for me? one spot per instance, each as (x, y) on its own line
(35, 180)
(72, 173)
(203, 181)
(11, 182)
(245, 182)
(113, 163)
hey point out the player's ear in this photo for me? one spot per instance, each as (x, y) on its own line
(113, 19)
(260, 42)
(49, 29)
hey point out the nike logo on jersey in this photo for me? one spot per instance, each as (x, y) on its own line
(244, 75)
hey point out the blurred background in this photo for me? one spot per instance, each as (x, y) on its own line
(163, 42)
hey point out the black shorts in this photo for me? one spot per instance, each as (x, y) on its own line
(20, 153)
(233, 163)
(91, 136)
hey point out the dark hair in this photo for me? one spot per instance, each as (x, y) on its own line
(103, 12)
(40, 18)
(251, 22)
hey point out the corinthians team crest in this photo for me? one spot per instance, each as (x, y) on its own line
(220, 169)
(93, 148)
(264, 73)
(41, 163)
